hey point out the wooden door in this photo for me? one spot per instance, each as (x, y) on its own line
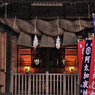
(49, 56)
(52, 60)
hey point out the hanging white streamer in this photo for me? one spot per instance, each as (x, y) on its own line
(58, 42)
(35, 41)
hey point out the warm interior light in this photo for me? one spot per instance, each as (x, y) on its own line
(63, 62)
(37, 61)
(71, 68)
(27, 68)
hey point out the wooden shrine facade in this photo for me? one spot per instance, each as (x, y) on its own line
(17, 52)
(50, 59)
(17, 25)
(15, 58)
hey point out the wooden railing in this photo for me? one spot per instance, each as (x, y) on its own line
(44, 84)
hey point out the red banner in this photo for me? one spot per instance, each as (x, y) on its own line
(91, 84)
(81, 46)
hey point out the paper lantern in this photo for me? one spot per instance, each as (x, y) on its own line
(71, 68)
(27, 68)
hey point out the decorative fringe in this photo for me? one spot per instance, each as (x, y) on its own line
(84, 39)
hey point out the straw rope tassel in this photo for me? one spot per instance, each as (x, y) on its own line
(35, 41)
(58, 38)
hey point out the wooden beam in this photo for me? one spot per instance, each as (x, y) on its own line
(57, 1)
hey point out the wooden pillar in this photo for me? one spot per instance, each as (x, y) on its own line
(8, 60)
(2, 59)
(14, 53)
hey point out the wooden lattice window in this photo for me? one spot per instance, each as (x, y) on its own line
(71, 59)
(24, 58)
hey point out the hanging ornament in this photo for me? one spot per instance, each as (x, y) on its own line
(58, 42)
(35, 41)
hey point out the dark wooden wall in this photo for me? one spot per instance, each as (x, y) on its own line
(8, 56)
(2, 59)
(14, 52)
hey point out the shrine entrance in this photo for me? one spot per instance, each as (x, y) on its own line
(51, 60)
(41, 60)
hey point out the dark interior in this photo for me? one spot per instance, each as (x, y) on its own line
(49, 59)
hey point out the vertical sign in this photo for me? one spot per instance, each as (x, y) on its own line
(85, 68)
(91, 86)
(81, 46)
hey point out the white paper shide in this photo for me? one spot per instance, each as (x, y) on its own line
(35, 41)
(58, 42)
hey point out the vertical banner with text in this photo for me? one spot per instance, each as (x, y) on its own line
(86, 68)
(91, 85)
(94, 23)
(81, 46)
